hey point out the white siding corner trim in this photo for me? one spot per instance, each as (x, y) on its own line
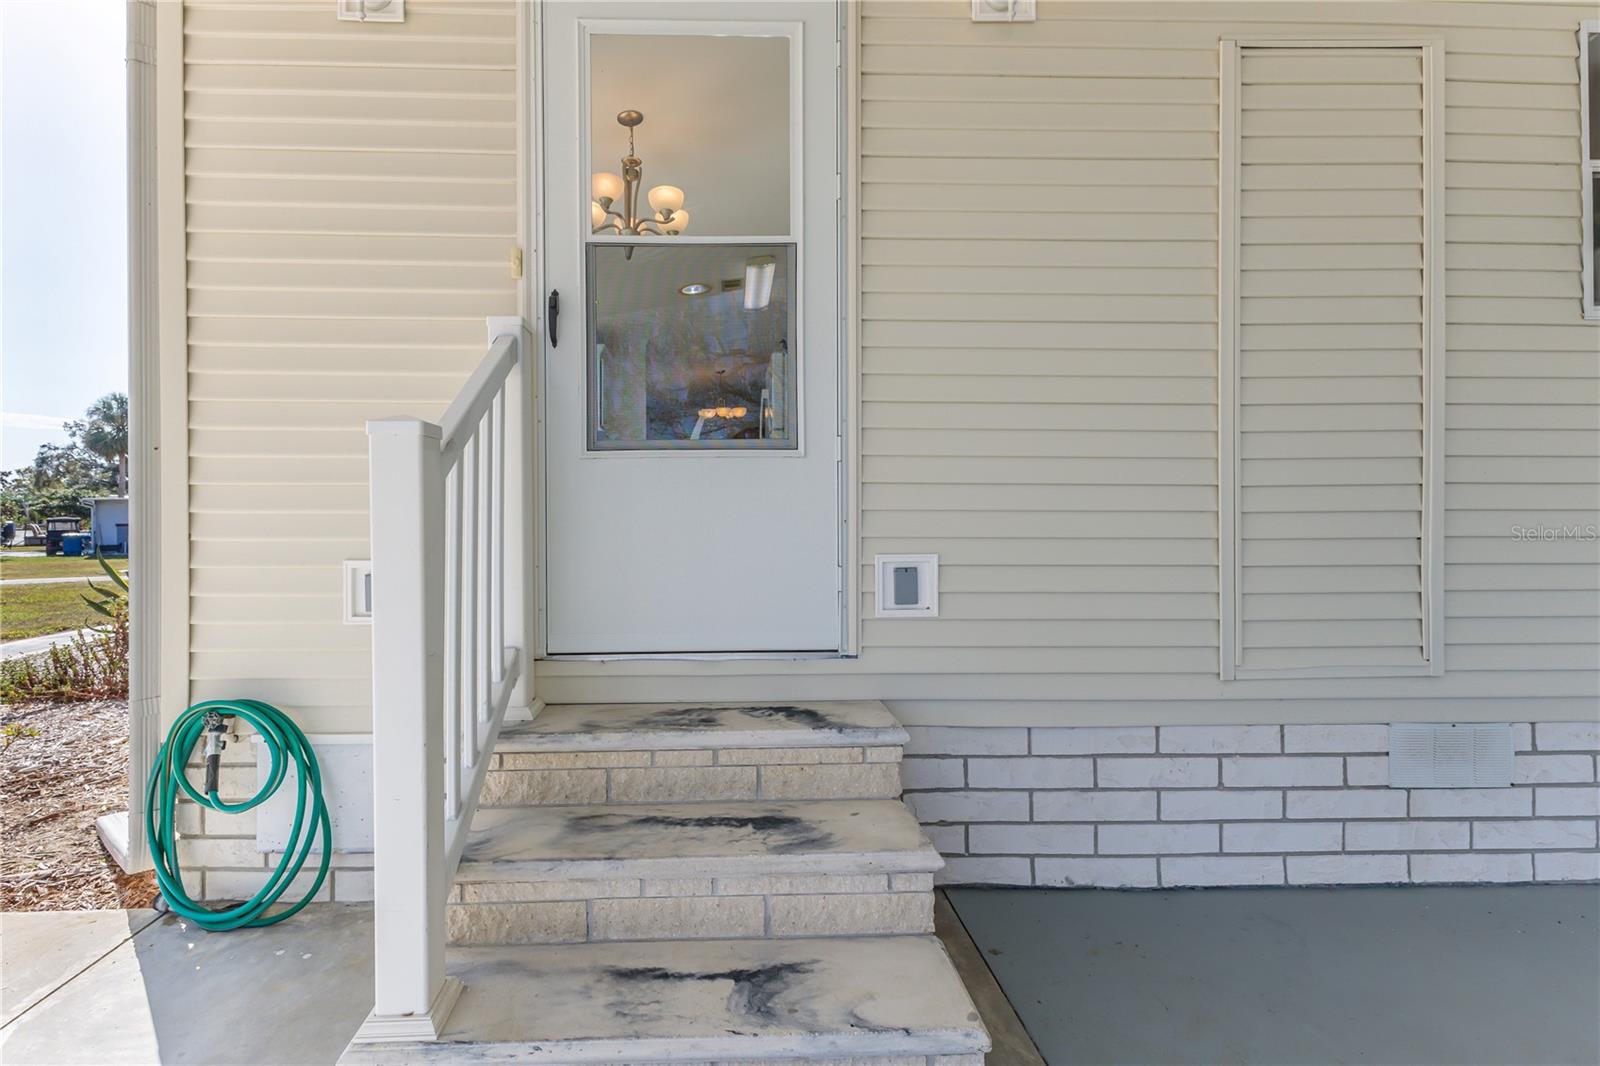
(1331, 357)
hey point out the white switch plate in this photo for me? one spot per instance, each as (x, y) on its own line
(358, 592)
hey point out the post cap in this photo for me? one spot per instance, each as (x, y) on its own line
(402, 426)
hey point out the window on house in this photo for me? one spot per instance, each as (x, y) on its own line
(1330, 343)
(1589, 104)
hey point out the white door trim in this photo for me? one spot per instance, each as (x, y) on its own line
(849, 210)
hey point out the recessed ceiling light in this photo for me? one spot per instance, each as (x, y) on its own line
(694, 288)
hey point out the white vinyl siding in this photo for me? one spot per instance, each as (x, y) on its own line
(1038, 288)
(1330, 358)
(1038, 243)
(352, 205)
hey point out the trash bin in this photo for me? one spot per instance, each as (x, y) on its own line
(73, 543)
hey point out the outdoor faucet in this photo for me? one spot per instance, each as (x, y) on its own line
(217, 731)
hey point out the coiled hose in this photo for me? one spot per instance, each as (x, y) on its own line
(286, 742)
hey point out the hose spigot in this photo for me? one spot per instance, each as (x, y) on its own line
(216, 730)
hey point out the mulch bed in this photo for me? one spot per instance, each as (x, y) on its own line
(52, 788)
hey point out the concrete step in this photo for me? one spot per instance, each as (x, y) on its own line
(656, 726)
(893, 1000)
(670, 753)
(693, 871)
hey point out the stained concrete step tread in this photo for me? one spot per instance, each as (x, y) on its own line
(739, 839)
(701, 1000)
(667, 726)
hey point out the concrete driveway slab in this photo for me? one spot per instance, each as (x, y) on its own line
(292, 993)
(42, 950)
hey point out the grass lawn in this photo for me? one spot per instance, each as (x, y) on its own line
(54, 566)
(34, 610)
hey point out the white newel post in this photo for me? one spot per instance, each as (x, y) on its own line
(413, 995)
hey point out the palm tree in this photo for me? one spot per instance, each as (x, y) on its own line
(105, 433)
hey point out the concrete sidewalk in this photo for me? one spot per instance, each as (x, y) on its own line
(44, 950)
(6, 583)
(132, 987)
(15, 649)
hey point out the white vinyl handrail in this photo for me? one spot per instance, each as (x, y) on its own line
(478, 680)
(447, 659)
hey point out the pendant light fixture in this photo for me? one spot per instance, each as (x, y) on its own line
(615, 204)
(723, 410)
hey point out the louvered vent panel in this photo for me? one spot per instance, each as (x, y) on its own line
(1330, 342)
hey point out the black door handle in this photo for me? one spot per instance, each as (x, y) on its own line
(552, 311)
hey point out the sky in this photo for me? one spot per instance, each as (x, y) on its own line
(63, 216)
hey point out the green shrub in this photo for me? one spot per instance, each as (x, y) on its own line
(92, 665)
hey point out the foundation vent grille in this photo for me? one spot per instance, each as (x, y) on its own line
(1450, 756)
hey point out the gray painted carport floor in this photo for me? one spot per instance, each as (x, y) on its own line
(1350, 975)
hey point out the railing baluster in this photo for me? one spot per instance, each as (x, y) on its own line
(473, 596)
(497, 579)
(485, 563)
(452, 645)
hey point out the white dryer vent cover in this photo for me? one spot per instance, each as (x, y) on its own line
(1450, 756)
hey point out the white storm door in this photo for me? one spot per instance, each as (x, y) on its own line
(691, 437)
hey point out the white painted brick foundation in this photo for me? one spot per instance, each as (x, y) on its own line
(1144, 807)
(1141, 807)
(220, 856)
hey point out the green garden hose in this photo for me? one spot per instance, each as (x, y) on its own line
(285, 741)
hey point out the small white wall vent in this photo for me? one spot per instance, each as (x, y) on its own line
(372, 10)
(1004, 10)
(1450, 756)
(358, 592)
(907, 586)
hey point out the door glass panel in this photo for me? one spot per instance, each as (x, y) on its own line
(691, 258)
(692, 345)
(689, 134)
